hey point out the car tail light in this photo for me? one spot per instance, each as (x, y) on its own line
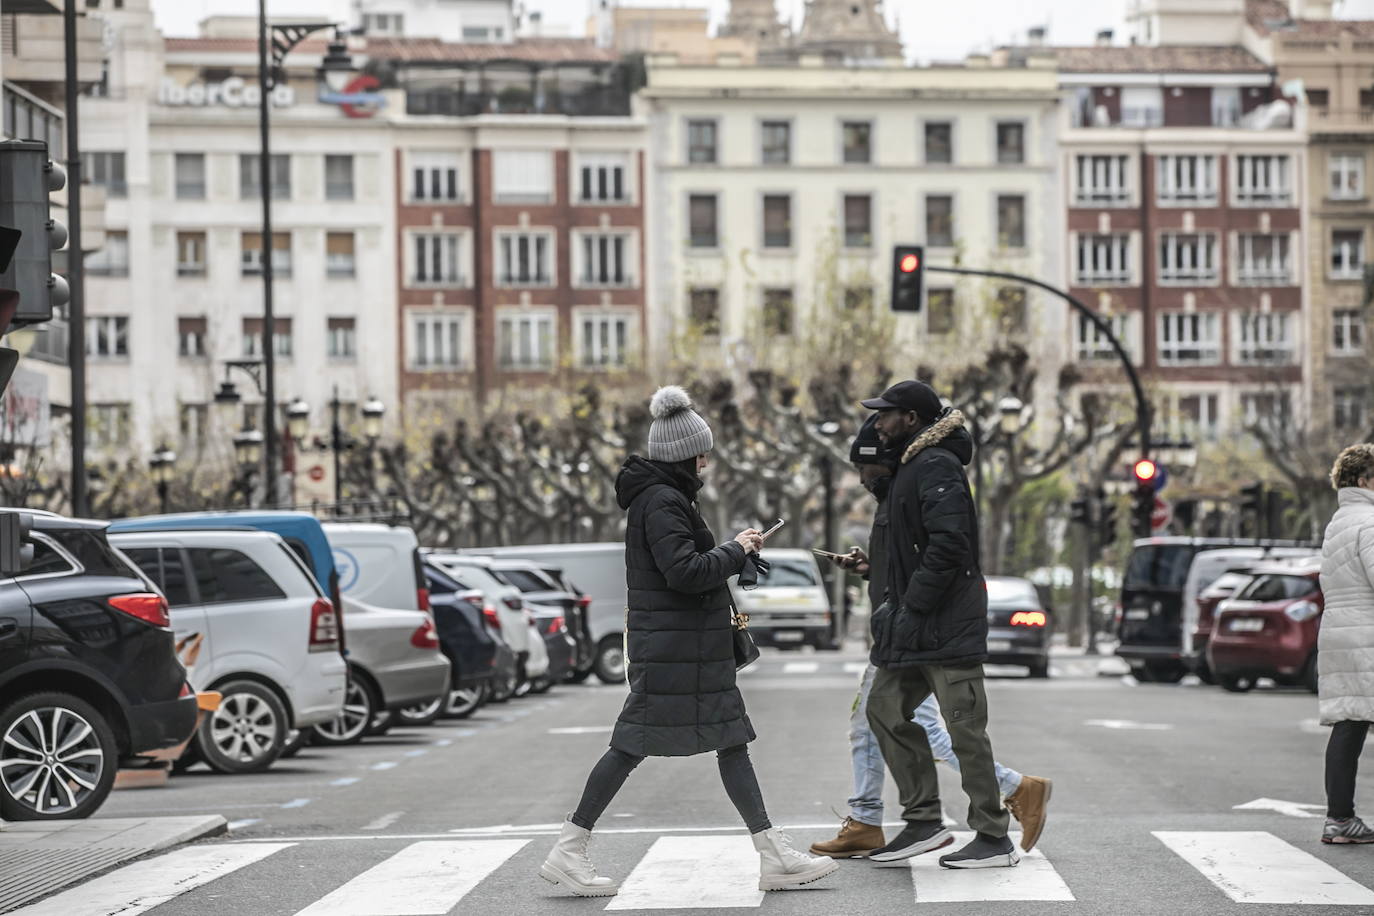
(1303, 610)
(324, 626)
(185, 690)
(490, 614)
(514, 604)
(424, 636)
(422, 598)
(584, 602)
(1028, 619)
(555, 625)
(146, 606)
(472, 596)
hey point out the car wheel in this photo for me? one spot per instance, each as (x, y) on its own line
(359, 708)
(381, 724)
(59, 758)
(246, 733)
(1204, 674)
(523, 687)
(1142, 674)
(1165, 673)
(577, 677)
(1041, 670)
(1236, 683)
(541, 685)
(465, 701)
(502, 689)
(421, 713)
(296, 739)
(610, 661)
(189, 758)
(1308, 678)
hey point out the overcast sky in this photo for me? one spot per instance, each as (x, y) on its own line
(931, 29)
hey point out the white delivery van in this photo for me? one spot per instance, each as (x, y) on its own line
(378, 564)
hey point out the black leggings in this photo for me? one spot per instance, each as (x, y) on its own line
(736, 772)
(1342, 762)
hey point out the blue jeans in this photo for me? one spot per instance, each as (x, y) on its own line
(866, 806)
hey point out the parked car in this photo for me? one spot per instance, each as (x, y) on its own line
(465, 638)
(538, 663)
(87, 666)
(506, 600)
(1020, 625)
(552, 606)
(270, 637)
(1269, 628)
(1208, 600)
(790, 607)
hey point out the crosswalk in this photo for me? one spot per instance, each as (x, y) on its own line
(675, 872)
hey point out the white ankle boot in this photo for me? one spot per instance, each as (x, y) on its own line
(569, 865)
(781, 866)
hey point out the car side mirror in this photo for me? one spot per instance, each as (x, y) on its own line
(16, 556)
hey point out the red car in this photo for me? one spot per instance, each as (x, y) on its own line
(1269, 628)
(1208, 601)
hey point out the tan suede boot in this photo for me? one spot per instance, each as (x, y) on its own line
(1027, 804)
(856, 840)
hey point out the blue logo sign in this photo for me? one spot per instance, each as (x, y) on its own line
(347, 566)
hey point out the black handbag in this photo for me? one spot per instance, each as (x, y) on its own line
(746, 653)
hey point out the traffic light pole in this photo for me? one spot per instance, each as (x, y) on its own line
(76, 269)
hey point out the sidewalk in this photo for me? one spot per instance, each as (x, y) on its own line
(1073, 660)
(40, 857)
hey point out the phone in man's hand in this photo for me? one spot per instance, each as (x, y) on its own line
(776, 525)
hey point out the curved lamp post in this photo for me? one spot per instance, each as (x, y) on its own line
(163, 465)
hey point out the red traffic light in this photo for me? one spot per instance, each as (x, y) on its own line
(909, 263)
(1145, 470)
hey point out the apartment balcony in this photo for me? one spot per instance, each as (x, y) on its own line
(1328, 121)
(591, 101)
(33, 49)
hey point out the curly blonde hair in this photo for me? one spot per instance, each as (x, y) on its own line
(1352, 465)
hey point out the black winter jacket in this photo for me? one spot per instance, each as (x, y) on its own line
(937, 601)
(683, 698)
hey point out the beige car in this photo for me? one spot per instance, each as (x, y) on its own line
(790, 606)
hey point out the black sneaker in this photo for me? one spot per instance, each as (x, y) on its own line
(983, 852)
(917, 837)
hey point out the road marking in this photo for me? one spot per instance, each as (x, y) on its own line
(1258, 867)
(424, 879)
(245, 822)
(680, 872)
(384, 765)
(1128, 725)
(297, 803)
(1313, 727)
(139, 887)
(344, 781)
(1033, 879)
(582, 730)
(418, 752)
(443, 742)
(1292, 809)
(801, 667)
(385, 821)
(855, 667)
(541, 830)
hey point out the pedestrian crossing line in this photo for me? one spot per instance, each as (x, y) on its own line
(1033, 879)
(424, 879)
(690, 872)
(141, 886)
(855, 667)
(801, 667)
(1253, 866)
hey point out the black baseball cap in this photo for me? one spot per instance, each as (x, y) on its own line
(909, 395)
(868, 447)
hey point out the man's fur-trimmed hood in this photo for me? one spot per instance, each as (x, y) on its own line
(947, 432)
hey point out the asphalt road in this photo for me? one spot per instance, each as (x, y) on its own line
(457, 817)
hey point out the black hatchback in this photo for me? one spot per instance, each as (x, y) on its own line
(88, 671)
(1020, 625)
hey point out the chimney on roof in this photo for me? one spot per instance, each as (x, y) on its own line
(1035, 36)
(1104, 38)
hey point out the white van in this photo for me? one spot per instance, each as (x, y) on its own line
(378, 564)
(790, 606)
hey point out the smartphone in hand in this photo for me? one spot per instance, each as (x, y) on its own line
(776, 525)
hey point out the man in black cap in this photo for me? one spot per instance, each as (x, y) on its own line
(930, 636)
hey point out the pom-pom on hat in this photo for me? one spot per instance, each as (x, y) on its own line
(677, 431)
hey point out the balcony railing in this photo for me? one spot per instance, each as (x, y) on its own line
(595, 101)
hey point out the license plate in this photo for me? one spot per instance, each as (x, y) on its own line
(788, 636)
(1139, 613)
(999, 645)
(1246, 625)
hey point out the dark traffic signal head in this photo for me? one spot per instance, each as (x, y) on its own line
(908, 278)
(1252, 498)
(27, 177)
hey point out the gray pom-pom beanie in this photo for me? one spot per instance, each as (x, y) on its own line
(677, 431)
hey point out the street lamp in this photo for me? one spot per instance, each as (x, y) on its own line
(373, 410)
(298, 419)
(248, 446)
(163, 464)
(1009, 411)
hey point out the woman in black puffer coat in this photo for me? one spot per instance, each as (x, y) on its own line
(681, 663)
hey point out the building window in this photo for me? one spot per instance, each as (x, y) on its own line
(1187, 258)
(1093, 345)
(434, 177)
(1102, 181)
(252, 337)
(107, 336)
(437, 341)
(524, 258)
(1366, 100)
(1347, 332)
(190, 176)
(602, 178)
(777, 311)
(858, 221)
(858, 142)
(776, 141)
(606, 259)
(1186, 180)
(604, 341)
(1347, 254)
(111, 260)
(1350, 407)
(1264, 339)
(191, 337)
(524, 342)
(338, 255)
(939, 221)
(1266, 409)
(341, 338)
(384, 24)
(435, 259)
(338, 177)
(522, 176)
(190, 254)
(1189, 339)
(1142, 106)
(1263, 180)
(858, 298)
(193, 421)
(701, 142)
(106, 170)
(777, 221)
(1263, 259)
(701, 210)
(107, 425)
(704, 308)
(1011, 142)
(250, 176)
(1347, 176)
(250, 256)
(1011, 220)
(482, 33)
(1199, 417)
(1103, 259)
(1011, 309)
(1319, 98)
(940, 317)
(939, 141)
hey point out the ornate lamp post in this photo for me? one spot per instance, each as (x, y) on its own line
(163, 465)
(248, 453)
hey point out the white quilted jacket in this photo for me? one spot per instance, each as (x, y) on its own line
(1345, 645)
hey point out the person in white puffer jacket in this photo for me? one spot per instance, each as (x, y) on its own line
(1345, 644)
